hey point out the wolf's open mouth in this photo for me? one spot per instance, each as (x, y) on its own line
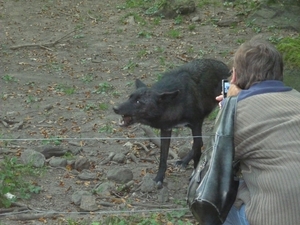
(125, 121)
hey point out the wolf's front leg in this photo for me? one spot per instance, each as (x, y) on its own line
(165, 138)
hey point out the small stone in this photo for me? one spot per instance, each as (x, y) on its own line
(88, 203)
(81, 163)
(120, 175)
(58, 162)
(196, 19)
(148, 184)
(35, 158)
(86, 175)
(119, 158)
(76, 196)
(163, 195)
(105, 188)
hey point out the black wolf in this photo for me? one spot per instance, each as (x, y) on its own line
(184, 96)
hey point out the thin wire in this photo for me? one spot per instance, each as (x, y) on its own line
(99, 212)
(97, 138)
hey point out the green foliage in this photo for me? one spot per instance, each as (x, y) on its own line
(65, 89)
(244, 7)
(15, 179)
(130, 65)
(104, 88)
(178, 20)
(173, 33)
(290, 49)
(52, 140)
(106, 128)
(8, 78)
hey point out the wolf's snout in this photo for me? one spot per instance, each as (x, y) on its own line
(116, 109)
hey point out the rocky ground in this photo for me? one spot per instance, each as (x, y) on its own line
(65, 64)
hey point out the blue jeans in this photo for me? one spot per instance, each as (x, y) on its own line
(236, 217)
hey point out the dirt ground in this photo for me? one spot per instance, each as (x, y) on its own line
(65, 64)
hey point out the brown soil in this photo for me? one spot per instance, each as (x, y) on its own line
(65, 64)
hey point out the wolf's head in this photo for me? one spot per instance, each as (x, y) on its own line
(144, 105)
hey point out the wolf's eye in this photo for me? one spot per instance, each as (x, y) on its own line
(137, 102)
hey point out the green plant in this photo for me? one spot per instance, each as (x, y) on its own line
(130, 65)
(142, 53)
(106, 128)
(103, 106)
(31, 99)
(290, 49)
(88, 78)
(8, 78)
(157, 21)
(65, 89)
(174, 33)
(104, 88)
(68, 155)
(178, 20)
(192, 27)
(89, 106)
(15, 179)
(243, 7)
(116, 94)
(145, 34)
(52, 140)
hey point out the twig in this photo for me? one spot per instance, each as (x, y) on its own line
(133, 158)
(43, 45)
(143, 146)
(110, 156)
(27, 216)
(93, 18)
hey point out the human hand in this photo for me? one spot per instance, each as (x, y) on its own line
(232, 91)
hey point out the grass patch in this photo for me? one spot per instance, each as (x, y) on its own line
(290, 50)
(65, 89)
(103, 88)
(173, 33)
(9, 79)
(15, 179)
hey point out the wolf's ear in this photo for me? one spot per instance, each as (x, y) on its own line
(139, 84)
(167, 96)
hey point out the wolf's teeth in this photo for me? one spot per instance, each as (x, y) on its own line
(121, 122)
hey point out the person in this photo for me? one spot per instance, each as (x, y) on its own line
(266, 138)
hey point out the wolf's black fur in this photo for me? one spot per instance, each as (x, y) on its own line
(184, 96)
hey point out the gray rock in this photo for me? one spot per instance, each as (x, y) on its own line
(81, 163)
(120, 175)
(182, 152)
(148, 184)
(58, 162)
(86, 175)
(105, 188)
(119, 158)
(35, 158)
(77, 195)
(163, 195)
(88, 203)
(196, 19)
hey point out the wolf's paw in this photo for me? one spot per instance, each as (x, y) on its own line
(181, 163)
(159, 185)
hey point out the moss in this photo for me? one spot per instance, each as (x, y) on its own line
(290, 49)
